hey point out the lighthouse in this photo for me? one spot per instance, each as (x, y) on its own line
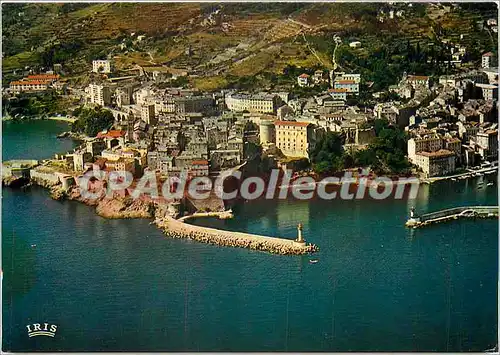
(299, 239)
(414, 220)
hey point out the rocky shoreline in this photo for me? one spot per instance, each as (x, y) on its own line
(73, 135)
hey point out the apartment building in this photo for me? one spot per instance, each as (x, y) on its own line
(438, 163)
(256, 103)
(294, 138)
(487, 143)
(98, 94)
(423, 144)
(487, 60)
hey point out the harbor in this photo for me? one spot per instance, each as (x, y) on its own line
(475, 212)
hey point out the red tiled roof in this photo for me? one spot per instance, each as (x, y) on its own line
(337, 90)
(304, 75)
(31, 82)
(43, 77)
(439, 153)
(199, 162)
(291, 123)
(345, 82)
(488, 54)
(111, 134)
(418, 77)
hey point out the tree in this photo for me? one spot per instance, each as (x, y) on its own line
(91, 121)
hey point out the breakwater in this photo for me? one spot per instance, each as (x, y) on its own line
(449, 214)
(178, 229)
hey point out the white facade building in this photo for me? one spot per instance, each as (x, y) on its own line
(101, 66)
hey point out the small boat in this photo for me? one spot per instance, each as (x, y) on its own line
(490, 184)
(313, 261)
(453, 179)
(33, 245)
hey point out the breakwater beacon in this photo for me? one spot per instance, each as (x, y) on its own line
(300, 240)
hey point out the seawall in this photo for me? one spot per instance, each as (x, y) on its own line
(177, 229)
(453, 214)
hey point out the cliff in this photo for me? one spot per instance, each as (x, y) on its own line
(115, 206)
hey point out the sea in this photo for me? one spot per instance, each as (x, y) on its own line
(122, 285)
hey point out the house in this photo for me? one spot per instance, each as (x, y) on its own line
(199, 168)
(101, 66)
(487, 60)
(112, 138)
(491, 22)
(418, 80)
(355, 44)
(318, 76)
(338, 94)
(350, 86)
(303, 80)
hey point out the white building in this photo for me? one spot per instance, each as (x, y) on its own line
(260, 103)
(303, 80)
(487, 60)
(425, 144)
(490, 92)
(101, 66)
(98, 94)
(418, 80)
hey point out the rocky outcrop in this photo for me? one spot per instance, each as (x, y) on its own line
(57, 193)
(73, 135)
(13, 181)
(124, 208)
(115, 206)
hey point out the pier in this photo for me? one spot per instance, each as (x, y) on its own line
(449, 214)
(178, 229)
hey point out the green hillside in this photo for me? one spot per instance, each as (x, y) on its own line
(227, 44)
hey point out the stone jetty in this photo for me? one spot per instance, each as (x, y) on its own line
(474, 212)
(178, 229)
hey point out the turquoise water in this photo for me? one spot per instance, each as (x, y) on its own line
(121, 285)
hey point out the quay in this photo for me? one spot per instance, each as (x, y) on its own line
(221, 215)
(464, 175)
(426, 219)
(177, 229)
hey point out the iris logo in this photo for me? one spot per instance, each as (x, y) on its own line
(36, 329)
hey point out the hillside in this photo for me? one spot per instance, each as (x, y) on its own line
(224, 43)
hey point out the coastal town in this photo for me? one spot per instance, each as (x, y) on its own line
(250, 176)
(451, 123)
